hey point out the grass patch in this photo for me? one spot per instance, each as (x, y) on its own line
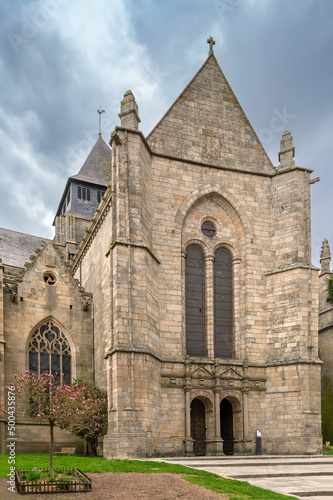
(235, 490)
(91, 464)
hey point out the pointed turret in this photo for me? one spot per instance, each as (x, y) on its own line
(93, 168)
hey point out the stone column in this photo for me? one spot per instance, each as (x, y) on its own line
(188, 441)
(210, 304)
(245, 413)
(217, 398)
(217, 413)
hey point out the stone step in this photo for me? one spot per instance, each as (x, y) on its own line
(282, 474)
(253, 464)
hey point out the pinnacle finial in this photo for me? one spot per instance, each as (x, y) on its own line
(129, 112)
(287, 151)
(325, 257)
(211, 42)
(325, 250)
(100, 111)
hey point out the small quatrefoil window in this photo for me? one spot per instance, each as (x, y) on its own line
(49, 278)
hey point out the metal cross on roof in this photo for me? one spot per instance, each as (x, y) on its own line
(100, 111)
(211, 42)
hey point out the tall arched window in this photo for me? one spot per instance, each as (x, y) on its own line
(49, 352)
(223, 304)
(195, 299)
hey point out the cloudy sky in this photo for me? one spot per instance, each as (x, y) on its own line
(62, 59)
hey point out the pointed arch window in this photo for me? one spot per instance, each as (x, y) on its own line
(195, 300)
(49, 352)
(223, 304)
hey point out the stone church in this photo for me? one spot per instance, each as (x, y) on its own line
(183, 286)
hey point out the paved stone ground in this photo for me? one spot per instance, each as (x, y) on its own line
(306, 477)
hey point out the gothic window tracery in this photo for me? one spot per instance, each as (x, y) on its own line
(219, 276)
(195, 299)
(49, 352)
(223, 304)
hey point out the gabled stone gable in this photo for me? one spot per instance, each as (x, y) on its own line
(37, 300)
(207, 124)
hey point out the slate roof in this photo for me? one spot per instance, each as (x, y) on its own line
(92, 169)
(16, 248)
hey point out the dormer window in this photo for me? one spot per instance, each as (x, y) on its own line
(79, 192)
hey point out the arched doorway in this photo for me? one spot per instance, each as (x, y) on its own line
(227, 427)
(198, 427)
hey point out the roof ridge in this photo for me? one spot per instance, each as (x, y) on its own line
(26, 234)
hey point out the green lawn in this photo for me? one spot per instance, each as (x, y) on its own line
(235, 490)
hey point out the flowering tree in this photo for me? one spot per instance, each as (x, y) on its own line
(36, 396)
(82, 410)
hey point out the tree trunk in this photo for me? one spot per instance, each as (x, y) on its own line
(51, 447)
(94, 445)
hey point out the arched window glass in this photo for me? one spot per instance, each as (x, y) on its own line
(195, 301)
(223, 304)
(49, 352)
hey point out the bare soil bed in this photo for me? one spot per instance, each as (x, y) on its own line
(126, 486)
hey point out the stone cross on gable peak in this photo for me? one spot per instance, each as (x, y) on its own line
(211, 42)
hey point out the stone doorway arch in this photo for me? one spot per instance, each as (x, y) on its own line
(198, 427)
(227, 431)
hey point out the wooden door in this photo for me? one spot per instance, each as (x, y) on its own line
(227, 427)
(198, 427)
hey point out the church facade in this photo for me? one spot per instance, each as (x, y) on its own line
(185, 289)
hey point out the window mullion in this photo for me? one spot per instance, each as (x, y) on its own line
(210, 304)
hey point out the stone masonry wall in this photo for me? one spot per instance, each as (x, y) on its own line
(96, 277)
(38, 301)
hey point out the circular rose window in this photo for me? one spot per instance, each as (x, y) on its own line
(208, 229)
(49, 278)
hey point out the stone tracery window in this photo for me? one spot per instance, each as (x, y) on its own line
(195, 299)
(49, 352)
(220, 278)
(223, 304)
